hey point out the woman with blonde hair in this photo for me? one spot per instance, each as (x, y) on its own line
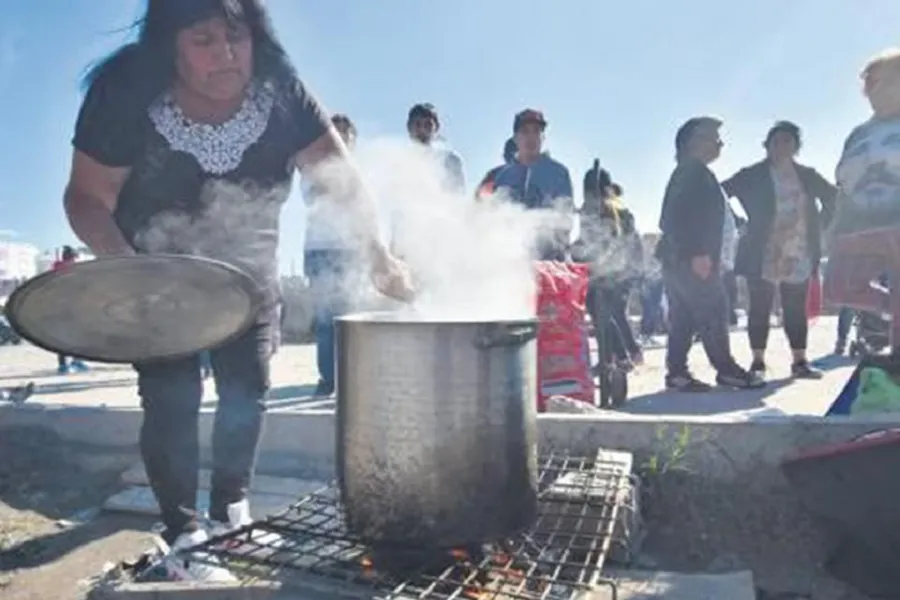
(865, 238)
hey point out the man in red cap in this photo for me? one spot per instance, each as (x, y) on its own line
(538, 182)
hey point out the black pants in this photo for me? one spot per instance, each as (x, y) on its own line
(171, 393)
(729, 279)
(697, 306)
(793, 307)
(607, 305)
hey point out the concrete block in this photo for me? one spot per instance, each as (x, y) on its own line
(647, 585)
(587, 500)
(258, 590)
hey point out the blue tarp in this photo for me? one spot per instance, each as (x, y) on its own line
(845, 399)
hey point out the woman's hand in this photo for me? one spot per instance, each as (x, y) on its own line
(391, 275)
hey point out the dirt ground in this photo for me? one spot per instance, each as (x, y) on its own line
(47, 486)
(693, 526)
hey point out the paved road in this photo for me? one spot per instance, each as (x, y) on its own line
(294, 378)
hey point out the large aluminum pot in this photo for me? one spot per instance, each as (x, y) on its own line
(437, 432)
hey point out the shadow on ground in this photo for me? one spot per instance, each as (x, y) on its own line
(65, 387)
(289, 396)
(718, 401)
(51, 372)
(830, 362)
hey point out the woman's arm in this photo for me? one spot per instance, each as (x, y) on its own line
(90, 200)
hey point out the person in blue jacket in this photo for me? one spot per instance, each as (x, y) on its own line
(538, 182)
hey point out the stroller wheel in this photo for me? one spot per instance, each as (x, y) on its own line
(618, 387)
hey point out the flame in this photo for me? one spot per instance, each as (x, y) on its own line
(368, 569)
(460, 554)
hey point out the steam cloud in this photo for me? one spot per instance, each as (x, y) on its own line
(470, 260)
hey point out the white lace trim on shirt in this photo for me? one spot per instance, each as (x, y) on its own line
(219, 148)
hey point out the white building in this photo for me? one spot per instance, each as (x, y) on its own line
(18, 260)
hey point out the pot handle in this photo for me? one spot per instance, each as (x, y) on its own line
(496, 335)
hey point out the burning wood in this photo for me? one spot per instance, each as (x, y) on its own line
(478, 573)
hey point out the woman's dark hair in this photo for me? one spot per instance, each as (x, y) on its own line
(147, 65)
(787, 127)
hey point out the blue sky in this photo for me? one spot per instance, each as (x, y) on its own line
(614, 79)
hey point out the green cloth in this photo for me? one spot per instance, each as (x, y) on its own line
(878, 393)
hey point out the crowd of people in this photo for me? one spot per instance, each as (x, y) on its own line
(205, 107)
(705, 244)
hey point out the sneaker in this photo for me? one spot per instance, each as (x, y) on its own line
(324, 389)
(742, 380)
(686, 383)
(79, 367)
(803, 370)
(758, 368)
(239, 516)
(197, 566)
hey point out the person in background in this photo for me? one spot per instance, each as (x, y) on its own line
(844, 324)
(329, 260)
(729, 252)
(783, 245)
(423, 126)
(610, 243)
(203, 110)
(486, 186)
(538, 182)
(65, 366)
(652, 291)
(692, 222)
(867, 213)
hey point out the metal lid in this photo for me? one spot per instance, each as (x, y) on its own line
(129, 309)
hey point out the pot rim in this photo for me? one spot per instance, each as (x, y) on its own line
(386, 317)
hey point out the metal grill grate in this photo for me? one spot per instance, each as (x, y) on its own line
(309, 546)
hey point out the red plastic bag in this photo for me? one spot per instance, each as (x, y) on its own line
(563, 356)
(814, 298)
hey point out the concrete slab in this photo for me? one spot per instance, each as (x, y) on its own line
(637, 585)
(258, 590)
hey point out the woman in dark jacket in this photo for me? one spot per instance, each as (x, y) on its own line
(610, 242)
(782, 246)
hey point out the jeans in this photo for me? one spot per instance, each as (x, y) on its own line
(331, 285)
(697, 306)
(651, 308)
(845, 321)
(171, 393)
(729, 279)
(607, 305)
(793, 307)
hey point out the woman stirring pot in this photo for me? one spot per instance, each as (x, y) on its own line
(782, 246)
(187, 142)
